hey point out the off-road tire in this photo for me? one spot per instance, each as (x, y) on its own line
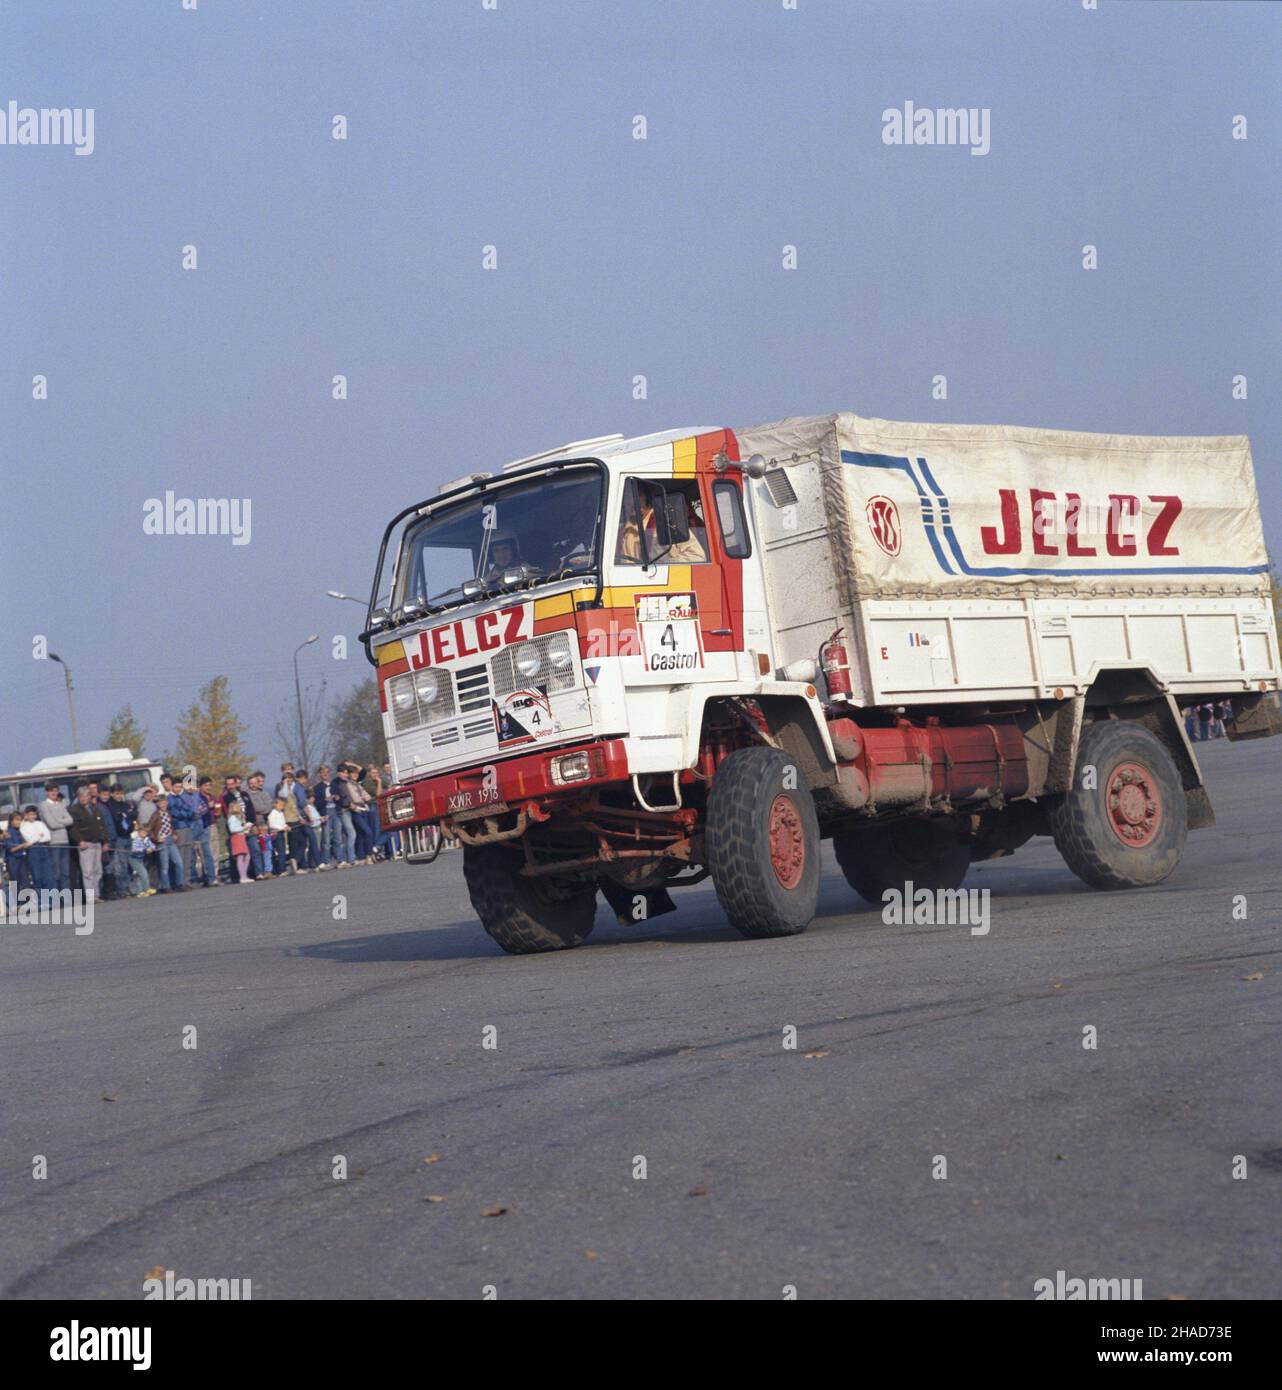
(752, 811)
(525, 915)
(1089, 825)
(881, 857)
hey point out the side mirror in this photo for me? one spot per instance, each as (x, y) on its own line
(677, 518)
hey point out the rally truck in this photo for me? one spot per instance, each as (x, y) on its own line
(628, 665)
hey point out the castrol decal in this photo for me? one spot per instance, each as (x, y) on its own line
(470, 637)
(523, 716)
(669, 629)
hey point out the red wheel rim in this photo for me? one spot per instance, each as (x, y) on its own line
(787, 842)
(1134, 804)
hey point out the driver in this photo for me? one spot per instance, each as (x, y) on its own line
(505, 553)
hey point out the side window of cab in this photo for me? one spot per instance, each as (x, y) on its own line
(661, 523)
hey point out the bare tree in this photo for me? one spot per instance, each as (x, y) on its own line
(289, 732)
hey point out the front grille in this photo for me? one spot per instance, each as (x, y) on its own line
(415, 711)
(473, 689)
(507, 677)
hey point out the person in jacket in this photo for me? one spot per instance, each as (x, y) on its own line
(361, 818)
(341, 790)
(258, 805)
(312, 823)
(204, 829)
(184, 811)
(120, 818)
(54, 812)
(90, 833)
(328, 812)
(159, 825)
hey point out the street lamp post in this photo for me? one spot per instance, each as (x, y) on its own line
(333, 593)
(71, 704)
(298, 695)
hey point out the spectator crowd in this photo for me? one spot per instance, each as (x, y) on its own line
(1206, 721)
(180, 836)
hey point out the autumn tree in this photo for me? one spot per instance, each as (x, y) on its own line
(125, 732)
(210, 737)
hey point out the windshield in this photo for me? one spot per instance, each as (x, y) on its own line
(506, 537)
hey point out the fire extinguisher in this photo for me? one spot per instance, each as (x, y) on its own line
(835, 665)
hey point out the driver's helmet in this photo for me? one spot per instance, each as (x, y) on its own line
(505, 551)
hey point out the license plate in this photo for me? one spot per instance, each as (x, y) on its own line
(465, 806)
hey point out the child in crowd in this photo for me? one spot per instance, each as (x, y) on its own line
(278, 826)
(288, 803)
(39, 861)
(15, 848)
(140, 846)
(239, 840)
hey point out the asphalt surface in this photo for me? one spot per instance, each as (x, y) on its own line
(766, 1167)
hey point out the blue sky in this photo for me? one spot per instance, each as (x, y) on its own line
(617, 257)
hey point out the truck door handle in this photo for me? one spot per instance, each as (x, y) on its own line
(722, 632)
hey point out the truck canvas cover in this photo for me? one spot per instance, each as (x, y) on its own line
(937, 511)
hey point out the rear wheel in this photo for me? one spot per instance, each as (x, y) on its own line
(878, 858)
(762, 844)
(1127, 828)
(526, 915)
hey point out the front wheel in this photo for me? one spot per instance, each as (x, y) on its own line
(526, 915)
(1125, 821)
(762, 844)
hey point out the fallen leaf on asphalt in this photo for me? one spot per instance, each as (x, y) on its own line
(1256, 975)
(493, 1211)
(433, 1199)
(591, 1255)
(685, 1052)
(432, 1158)
(157, 1273)
(108, 1097)
(1061, 1157)
(697, 1192)
(810, 1056)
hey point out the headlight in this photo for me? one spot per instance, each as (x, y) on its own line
(560, 658)
(426, 685)
(400, 806)
(404, 696)
(529, 663)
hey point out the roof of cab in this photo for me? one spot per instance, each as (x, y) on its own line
(610, 445)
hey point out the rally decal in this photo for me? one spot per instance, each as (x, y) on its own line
(524, 716)
(669, 629)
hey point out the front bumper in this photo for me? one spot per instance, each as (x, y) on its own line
(476, 791)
